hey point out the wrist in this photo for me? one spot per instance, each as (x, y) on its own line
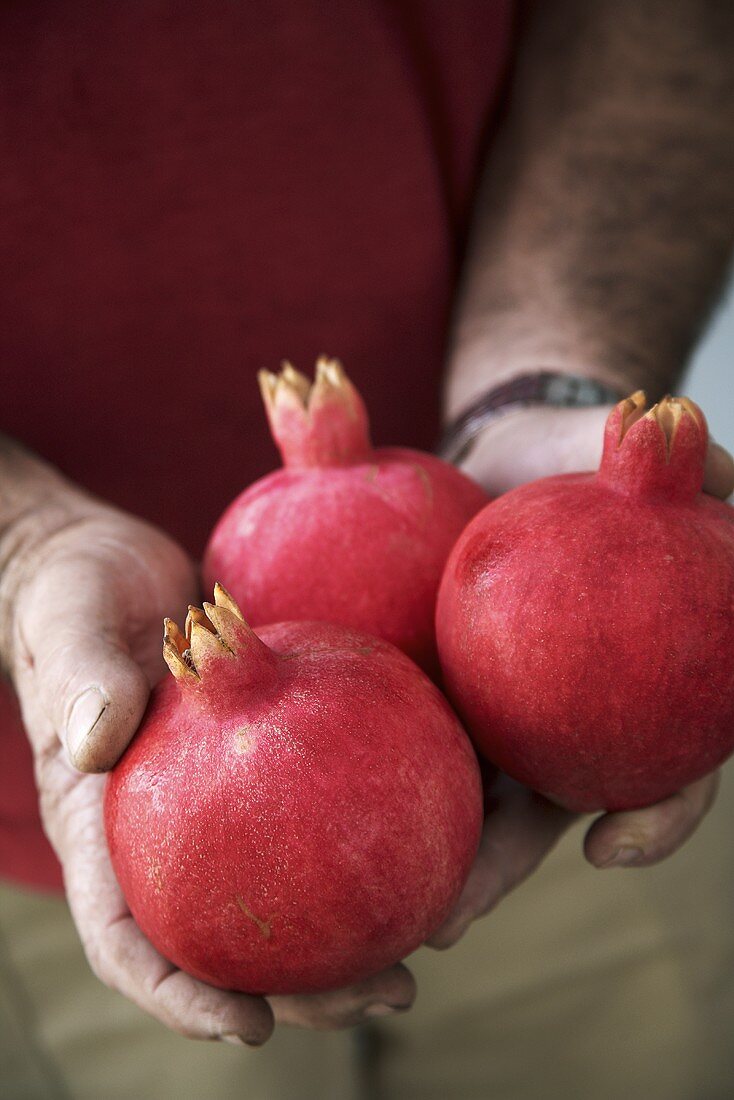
(529, 443)
(27, 481)
(36, 503)
(544, 389)
(476, 366)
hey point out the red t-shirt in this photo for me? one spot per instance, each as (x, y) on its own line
(190, 195)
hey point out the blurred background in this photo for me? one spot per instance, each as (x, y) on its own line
(710, 378)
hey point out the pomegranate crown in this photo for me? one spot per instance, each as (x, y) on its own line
(667, 414)
(216, 633)
(655, 451)
(323, 423)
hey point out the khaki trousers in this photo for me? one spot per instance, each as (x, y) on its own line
(583, 984)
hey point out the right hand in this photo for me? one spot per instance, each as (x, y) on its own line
(83, 595)
(521, 827)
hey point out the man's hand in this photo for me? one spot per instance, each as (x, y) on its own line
(83, 592)
(601, 236)
(521, 827)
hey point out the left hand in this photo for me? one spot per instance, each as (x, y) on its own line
(521, 826)
(83, 598)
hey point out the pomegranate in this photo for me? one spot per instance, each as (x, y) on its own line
(344, 533)
(586, 622)
(298, 810)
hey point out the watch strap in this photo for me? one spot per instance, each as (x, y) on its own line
(544, 388)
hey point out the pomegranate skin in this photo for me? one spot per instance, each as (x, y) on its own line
(344, 533)
(586, 622)
(298, 818)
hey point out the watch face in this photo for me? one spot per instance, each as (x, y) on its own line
(571, 391)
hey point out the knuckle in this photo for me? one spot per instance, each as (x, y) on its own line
(160, 989)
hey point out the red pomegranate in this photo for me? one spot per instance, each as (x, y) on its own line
(344, 533)
(586, 622)
(297, 811)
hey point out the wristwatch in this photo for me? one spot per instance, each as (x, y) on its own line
(550, 388)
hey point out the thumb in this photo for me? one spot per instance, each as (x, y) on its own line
(77, 668)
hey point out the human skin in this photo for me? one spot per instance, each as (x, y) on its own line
(599, 244)
(601, 239)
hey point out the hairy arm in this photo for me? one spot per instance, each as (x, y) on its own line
(35, 502)
(606, 217)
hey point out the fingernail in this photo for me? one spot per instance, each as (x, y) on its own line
(624, 857)
(86, 712)
(384, 1010)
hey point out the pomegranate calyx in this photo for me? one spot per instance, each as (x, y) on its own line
(292, 388)
(668, 414)
(323, 423)
(205, 645)
(660, 452)
(176, 652)
(289, 389)
(216, 631)
(630, 410)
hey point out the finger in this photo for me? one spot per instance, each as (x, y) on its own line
(123, 958)
(69, 636)
(520, 829)
(382, 995)
(719, 474)
(127, 962)
(638, 838)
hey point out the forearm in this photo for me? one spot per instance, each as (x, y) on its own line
(604, 225)
(35, 501)
(26, 482)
